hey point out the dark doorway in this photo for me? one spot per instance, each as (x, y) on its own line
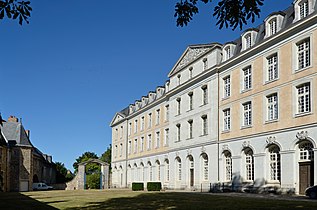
(191, 177)
(306, 175)
(35, 179)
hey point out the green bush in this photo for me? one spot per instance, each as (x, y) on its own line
(137, 186)
(154, 186)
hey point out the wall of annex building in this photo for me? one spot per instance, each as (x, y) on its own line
(119, 141)
(146, 131)
(284, 86)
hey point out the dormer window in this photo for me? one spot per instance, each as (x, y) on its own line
(273, 26)
(248, 38)
(228, 50)
(190, 72)
(248, 41)
(303, 8)
(273, 23)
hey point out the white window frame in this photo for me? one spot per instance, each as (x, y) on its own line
(272, 107)
(142, 123)
(247, 114)
(226, 86)
(178, 104)
(150, 120)
(272, 67)
(135, 126)
(249, 165)
(228, 166)
(205, 63)
(157, 140)
(190, 129)
(166, 138)
(178, 135)
(204, 119)
(274, 163)
(142, 144)
(158, 112)
(308, 61)
(307, 105)
(149, 142)
(190, 99)
(226, 119)
(247, 78)
(167, 112)
(204, 89)
(135, 146)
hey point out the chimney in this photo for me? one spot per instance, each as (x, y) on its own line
(13, 119)
(28, 133)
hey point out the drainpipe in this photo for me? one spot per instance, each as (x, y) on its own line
(218, 129)
(126, 156)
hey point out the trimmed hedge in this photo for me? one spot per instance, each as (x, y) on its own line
(154, 186)
(136, 186)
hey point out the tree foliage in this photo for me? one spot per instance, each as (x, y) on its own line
(91, 167)
(14, 9)
(106, 156)
(62, 174)
(229, 13)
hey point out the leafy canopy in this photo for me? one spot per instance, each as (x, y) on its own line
(14, 9)
(229, 13)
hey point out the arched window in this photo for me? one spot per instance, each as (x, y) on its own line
(179, 168)
(306, 151)
(249, 164)
(275, 163)
(158, 170)
(150, 171)
(142, 168)
(167, 170)
(204, 166)
(228, 165)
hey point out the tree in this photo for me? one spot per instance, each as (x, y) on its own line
(91, 167)
(14, 9)
(229, 13)
(106, 156)
(62, 174)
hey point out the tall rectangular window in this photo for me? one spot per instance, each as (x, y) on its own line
(228, 165)
(303, 9)
(121, 149)
(135, 145)
(116, 151)
(178, 101)
(157, 139)
(158, 112)
(249, 161)
(135, 126)
(272, 67)
(205, 94)
(142, 144)
(190, 72)
(205, 124)
(247, 78)
(150, 120)
(303, 98)
(247, 114)
(226, 120)
(226, 84)
(121, 136)
(190, 129)
(190, 98)
(142, 123)
(205, 168)
(205, 61)
(272, 107)
(149, 142)
(178, 126)
(130, 128)
(179, 79)
(166, 139)
(167, 112)
(303, 53)
(130, 147)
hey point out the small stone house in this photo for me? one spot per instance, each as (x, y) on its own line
(21, 163)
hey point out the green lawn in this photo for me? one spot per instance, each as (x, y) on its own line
(126, 199)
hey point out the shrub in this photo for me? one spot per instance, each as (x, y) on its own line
(137, 186)
(154, 186)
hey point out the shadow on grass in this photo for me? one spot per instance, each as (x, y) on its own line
(18, 201)
(194, 201)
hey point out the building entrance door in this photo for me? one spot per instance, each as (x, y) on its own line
(306, 175)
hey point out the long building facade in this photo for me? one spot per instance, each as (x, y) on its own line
(241, 114)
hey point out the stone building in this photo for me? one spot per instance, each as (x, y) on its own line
(22, 164)
(242, 113)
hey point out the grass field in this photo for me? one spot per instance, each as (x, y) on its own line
(126, 199)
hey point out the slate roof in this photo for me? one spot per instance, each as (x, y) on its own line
(15, 131)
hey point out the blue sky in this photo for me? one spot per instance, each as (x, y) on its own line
(76, 64)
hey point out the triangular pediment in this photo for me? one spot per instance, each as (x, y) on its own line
(117, 118)
(190, 54)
